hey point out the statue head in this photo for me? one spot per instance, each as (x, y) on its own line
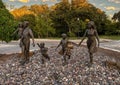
(20, 24)
(26, 23)
(64, 36)
(91, 24)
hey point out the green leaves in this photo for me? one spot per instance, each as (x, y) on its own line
(6, 24)
(65, 17)
(116, 16)
(43, 27)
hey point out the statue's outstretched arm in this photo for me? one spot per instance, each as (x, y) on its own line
(59, 44)
(15, 32)
(73, 43)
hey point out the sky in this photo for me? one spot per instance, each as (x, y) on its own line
(109, 6)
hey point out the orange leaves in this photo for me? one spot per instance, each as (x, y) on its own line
(53, 7)
(25, 10)
(38, 9)
(99, 11)
(79, 3)
(17, 13)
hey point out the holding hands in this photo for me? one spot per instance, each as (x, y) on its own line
(33, 44)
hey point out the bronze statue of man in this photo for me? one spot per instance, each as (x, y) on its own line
(43, 51)
(92, 35)
(26, 35)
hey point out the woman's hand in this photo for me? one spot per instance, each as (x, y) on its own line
(79, 44)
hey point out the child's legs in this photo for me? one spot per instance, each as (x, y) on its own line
(46, 56)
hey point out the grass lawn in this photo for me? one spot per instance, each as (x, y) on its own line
(58, 38)
(113, 37)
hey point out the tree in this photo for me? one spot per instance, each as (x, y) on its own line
(24, 10)
(60, 18)
(43, 27)
(116, 17)
(39, 9)
(7, 23)
(65, 17)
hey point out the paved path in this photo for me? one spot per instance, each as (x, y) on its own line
(112, 45)
(13, 47)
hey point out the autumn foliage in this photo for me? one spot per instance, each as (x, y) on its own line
(62, 17)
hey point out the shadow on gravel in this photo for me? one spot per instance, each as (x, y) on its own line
(5, 57)
(112, 58)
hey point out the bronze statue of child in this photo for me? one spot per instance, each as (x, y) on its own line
(43, 51)
(19, 30)
(67, 46)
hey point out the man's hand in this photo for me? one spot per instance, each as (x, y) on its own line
(98, 45)
(33, 44)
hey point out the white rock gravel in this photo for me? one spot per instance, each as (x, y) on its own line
(76, 72)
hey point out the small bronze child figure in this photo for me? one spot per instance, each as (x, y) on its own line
(66, 47)
(92, 35)
(19, 30)
(43, 51)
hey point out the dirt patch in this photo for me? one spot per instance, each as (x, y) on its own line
(107, 52)
(112, 57)
(110, 52)
(5, 57)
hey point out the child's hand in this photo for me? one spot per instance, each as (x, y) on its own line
(38, 44)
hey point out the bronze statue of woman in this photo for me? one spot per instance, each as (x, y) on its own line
(92, 35)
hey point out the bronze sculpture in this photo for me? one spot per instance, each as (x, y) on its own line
(27, 33)
(43, 51)
(66, 47)
(19, 30)
(92, 35)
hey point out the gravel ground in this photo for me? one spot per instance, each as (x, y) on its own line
(76, 72)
